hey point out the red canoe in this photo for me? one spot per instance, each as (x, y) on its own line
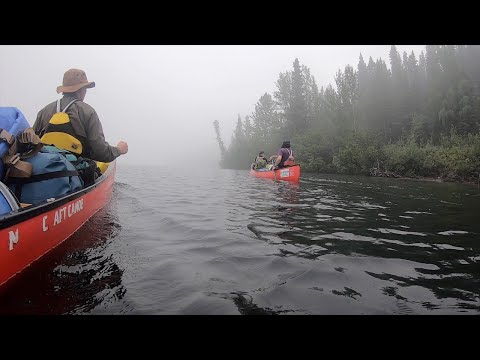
(29, 233)
(289, 173)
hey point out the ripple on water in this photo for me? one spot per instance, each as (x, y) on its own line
(193, 241)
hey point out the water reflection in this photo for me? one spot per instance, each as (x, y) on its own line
(75, 277)
(412, 237)
(228, 243)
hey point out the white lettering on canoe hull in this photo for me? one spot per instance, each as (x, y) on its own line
(13, 239)
(60, 215)
(45, 227)
(64, 213)
(284, 173)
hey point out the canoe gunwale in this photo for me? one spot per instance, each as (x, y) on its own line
(27, 213)
(285, 167)
(272, 174)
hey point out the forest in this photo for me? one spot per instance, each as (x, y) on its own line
(410, 117)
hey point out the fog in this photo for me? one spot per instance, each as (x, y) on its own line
(162, 100)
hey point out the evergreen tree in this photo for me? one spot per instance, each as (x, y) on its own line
(248, 128)
(347, 88)
(423, 99)
(297, 117)
(363, 90)
(265, 118)
(221, 145)
(291, 97)
(239, 133)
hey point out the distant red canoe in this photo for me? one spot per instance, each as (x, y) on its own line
(29, 233)
(289, 173)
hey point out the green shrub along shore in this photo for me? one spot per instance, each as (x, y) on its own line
(454, 158)
(419, 118)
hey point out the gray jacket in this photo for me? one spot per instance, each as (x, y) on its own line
(85, 123)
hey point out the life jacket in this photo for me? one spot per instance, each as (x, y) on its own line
(260, 162)
(59, 132)
(289, 162)
(286, 161)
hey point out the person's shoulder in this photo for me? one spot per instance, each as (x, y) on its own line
(84, 106)
(86, 111)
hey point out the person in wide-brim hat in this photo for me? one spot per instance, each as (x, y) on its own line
(74, 80)
(83, 124)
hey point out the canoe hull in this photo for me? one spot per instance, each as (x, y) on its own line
(289, 173)
(28, 235)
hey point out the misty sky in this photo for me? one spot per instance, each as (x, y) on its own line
(162, 99)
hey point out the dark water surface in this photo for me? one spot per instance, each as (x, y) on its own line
(219, 242)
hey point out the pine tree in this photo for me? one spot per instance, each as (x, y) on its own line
(297, 117)
(291, 97)
(420, 97)
(239, 134)
(330, 105)
(422, 81)
(248, 128)
(412, 70)
(265, 118)
(363, 89)
(221, 145)
(347, 88)
(312, 102)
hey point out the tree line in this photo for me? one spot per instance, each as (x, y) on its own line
(416, 116)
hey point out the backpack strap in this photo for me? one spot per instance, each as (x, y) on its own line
(68, 105)
(42, 132)
(29, 144)
(19, 182)
(42, 177)
(16, 168)
(12, 160)
(7, 137)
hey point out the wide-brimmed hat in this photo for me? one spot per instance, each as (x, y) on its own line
(74, 80)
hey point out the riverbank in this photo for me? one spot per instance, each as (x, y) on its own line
(436, 180)
(374, 172)
(452, 159)
(451, 179)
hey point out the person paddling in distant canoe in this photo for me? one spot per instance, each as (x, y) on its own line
(260, 161)
(283, 155)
